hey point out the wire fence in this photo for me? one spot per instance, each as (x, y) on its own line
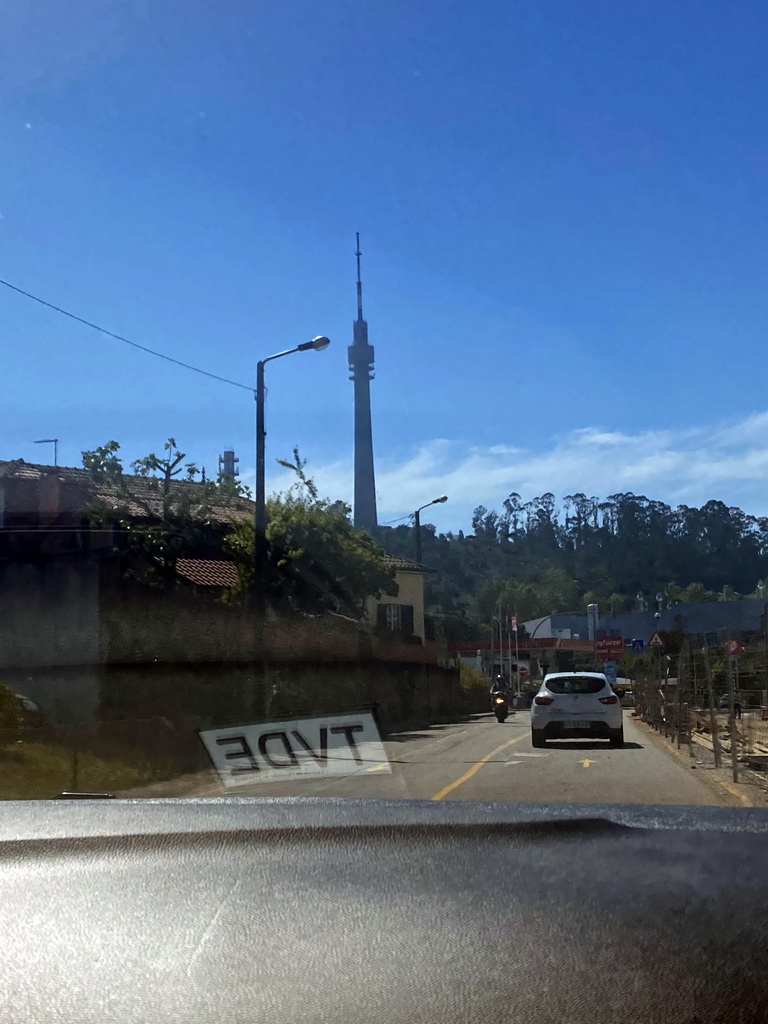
(702, 699)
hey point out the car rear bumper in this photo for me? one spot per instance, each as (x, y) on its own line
(570, 729)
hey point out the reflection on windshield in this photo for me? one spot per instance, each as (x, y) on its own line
(292, 508)
(154, 656)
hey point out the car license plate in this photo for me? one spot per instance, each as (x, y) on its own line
(573, 725)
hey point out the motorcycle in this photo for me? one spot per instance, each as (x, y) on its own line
(500, 707)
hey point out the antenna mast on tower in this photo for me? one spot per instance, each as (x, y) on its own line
(361, 374)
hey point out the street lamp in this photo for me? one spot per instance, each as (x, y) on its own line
(417, 522)
(260, 512)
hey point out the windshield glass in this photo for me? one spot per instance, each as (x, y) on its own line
(365, 361)
(575, 684)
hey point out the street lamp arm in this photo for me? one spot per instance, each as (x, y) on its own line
(317, 344)
(277, 355)
(435, 501)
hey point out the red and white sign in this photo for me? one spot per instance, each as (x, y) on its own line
(655, 641)
(522, 671)
(733, 647)
(609, 648)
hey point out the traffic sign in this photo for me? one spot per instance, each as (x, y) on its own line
(609, 647)
(638, 646)
(656, 641)
(522, 671)
(609, 670)
(733, 647)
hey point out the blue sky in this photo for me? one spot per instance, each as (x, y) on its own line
(563, 215)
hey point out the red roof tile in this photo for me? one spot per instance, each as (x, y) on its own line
(207, 572)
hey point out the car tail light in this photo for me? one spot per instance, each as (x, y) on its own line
(543, 700)
(613, 699)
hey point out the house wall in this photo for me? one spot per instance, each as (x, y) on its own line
(410, 591)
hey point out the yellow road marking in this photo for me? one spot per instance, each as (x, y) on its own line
(475, 768)
(586, 762)
(378, 767)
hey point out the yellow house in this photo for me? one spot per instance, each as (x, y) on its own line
(400, 615)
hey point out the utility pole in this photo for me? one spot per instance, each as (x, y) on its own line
(260, 511)
(732, 723)
(517, 657)
(713, 726)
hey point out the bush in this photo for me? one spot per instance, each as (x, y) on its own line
(472, 678)
(11, 715)
(476, 686)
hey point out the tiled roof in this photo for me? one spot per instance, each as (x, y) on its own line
(207, 572)
(396, 562)
(143, 498)
(31, 471)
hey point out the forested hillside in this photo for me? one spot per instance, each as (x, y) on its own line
(541, 556)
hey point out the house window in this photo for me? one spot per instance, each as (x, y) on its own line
(396, 618)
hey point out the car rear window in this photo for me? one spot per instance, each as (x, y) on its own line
(575, 684)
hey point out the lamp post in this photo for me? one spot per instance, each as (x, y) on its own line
(417, 521)
(260, 511)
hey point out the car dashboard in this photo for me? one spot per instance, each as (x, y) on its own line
(311, 910)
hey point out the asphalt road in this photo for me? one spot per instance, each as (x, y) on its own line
(484, 760)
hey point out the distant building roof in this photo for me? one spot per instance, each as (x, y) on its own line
(696, 617)
(400, 564)
(142, 497)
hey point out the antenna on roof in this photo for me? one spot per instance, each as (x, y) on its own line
(55, 442)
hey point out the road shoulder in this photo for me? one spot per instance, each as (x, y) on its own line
(745, 793)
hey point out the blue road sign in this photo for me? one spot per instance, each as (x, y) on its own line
(609, 668)
(637, 646)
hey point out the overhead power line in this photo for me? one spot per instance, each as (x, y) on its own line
(127, 341)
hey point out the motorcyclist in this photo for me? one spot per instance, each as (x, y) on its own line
(499, 686)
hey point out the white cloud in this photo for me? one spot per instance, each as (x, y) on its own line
(727, 461)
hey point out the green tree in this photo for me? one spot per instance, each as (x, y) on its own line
(697, 592)
(161, 510)
(318, 560)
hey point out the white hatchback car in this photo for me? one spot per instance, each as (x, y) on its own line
(576, 705)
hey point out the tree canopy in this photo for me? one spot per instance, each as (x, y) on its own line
(163, 510)
(539, 557)
(319, 561)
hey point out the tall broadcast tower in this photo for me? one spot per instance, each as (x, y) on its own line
(361, 369)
